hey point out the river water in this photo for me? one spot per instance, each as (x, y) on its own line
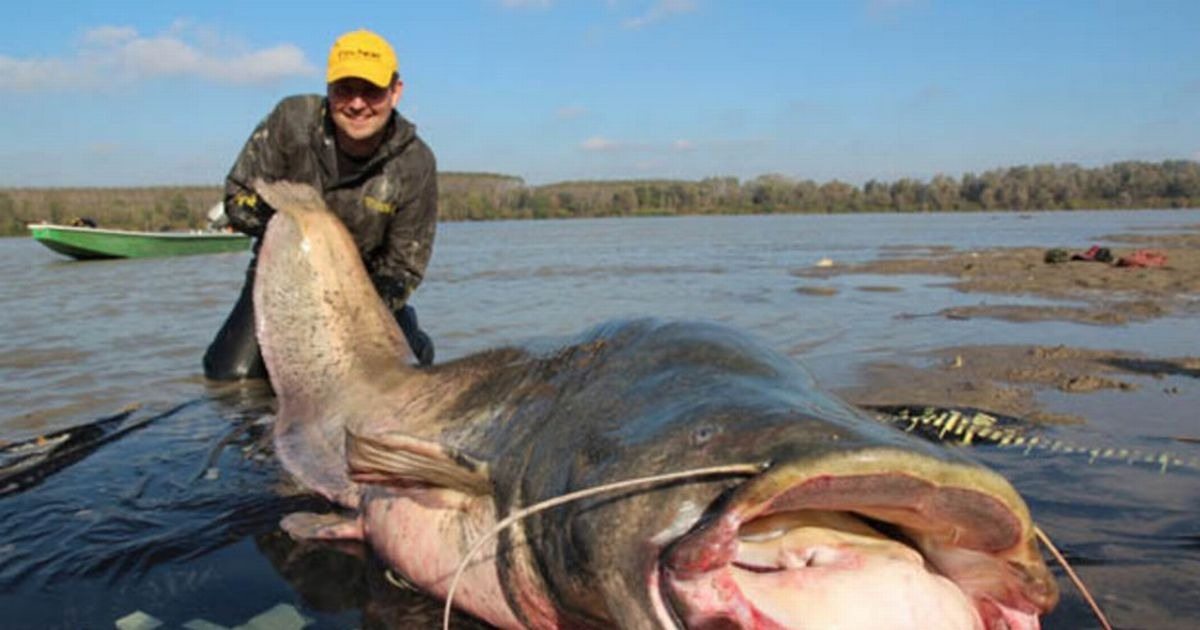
(176, 516)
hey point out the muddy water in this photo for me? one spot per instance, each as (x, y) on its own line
(176, 515)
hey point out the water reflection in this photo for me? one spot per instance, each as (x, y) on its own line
(344, 576)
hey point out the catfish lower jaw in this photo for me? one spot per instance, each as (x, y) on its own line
(821, 570)
(856, 544)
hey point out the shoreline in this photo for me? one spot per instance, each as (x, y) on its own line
(1015, 379)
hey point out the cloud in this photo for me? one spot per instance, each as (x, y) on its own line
(570, 112)
(599, 144)
(659, 11)
(16, 74)
(109, 35)
(119, 54)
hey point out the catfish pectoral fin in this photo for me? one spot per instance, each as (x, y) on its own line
(310, 526)
(395, 457)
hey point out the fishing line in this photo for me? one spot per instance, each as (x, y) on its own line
(1083, 590)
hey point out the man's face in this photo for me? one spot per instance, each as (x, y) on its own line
(359, 108)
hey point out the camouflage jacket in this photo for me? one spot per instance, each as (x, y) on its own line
(390, 206)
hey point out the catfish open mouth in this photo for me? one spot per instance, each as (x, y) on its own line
(877, 539)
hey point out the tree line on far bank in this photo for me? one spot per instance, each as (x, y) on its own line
(484, 196)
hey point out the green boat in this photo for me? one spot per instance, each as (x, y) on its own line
(87, 243)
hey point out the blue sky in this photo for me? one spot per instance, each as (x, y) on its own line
(139, 93)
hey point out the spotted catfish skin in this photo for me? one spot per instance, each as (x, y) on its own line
(845, 523)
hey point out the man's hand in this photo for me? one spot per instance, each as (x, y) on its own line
(392, 290)
(248, 213)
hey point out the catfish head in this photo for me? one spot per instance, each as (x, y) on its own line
(849, 524)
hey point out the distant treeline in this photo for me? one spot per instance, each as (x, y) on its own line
(482, 196)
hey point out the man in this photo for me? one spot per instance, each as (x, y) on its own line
(374, 172)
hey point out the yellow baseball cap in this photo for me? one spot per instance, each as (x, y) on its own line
(362, 54)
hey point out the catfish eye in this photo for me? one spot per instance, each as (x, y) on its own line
(703, 434)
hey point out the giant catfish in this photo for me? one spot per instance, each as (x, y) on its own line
(849, 524)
